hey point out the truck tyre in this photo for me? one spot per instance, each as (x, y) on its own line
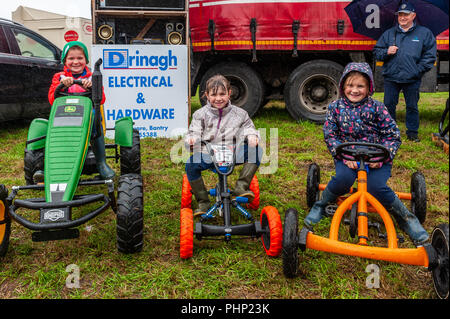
(130, 214)
(33, 161)
(247, 87)
(130, 157)
(310, 88)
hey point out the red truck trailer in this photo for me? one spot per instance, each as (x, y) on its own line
(287, 49)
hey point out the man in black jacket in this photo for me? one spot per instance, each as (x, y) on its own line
(408, 51)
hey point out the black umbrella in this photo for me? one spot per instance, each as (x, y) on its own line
(372, 17)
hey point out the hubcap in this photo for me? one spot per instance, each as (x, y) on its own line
(317, 92)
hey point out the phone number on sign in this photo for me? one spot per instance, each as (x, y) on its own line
(148, 134)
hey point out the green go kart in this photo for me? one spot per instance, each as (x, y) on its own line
(60, 148)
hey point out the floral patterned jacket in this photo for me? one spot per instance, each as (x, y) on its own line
(365, 121)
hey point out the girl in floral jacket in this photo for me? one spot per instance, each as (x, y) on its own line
(357, 117)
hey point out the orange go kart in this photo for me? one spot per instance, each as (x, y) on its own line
(269, 226)
(359, 203)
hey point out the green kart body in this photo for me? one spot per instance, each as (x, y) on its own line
(66, 146)
(60, 146)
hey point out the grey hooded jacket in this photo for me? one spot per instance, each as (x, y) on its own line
(215, 126)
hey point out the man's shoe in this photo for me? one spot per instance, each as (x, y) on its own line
(413, 138)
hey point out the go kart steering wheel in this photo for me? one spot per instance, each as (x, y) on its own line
(59, 93)
(216, 165)
(362, 152)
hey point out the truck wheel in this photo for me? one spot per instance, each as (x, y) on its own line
(130, 157)
(290, 243)
(439, 240)
(272, 239)
(33, 161)
(186, 233)
(186, 193)
(310, 88)
(419, 196)
(247, 87)
(5, 222)
(130, 214)
(312, 184)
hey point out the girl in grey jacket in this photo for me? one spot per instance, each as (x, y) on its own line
(221, 122)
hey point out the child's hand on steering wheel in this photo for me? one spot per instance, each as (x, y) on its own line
(354, 165)
(67, 81)
(252, 140)
(351, 164)
(87, 84)
(191, 141)
(375, 165)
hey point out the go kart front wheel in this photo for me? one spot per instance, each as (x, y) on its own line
(312, 184)
(186, 233)
(273, 237)
(440, 274)
(33, 161)
(254, 187)
(5, 222)
(130, 214)
(290, 243)
(186, 193)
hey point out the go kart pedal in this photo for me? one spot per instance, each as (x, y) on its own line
(330, 210)
(377, 226)
(50, 235)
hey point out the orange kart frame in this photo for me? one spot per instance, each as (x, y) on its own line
(366, 204)
(360, 202)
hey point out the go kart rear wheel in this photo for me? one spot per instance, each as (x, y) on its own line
(312, 184)
(186, 233)
(254, 187)
(419, 196)
(186, 193)
(273, 237)
(130, 157)
(290, 243)
(439, 240)
(130, 214)
(5, 222)
(33, 161)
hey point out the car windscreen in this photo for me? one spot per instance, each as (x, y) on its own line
(32, 46)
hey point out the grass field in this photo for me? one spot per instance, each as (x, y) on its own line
(239, 269)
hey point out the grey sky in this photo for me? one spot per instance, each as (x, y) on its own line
(72, 8)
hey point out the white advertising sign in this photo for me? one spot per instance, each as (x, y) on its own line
(149, 83)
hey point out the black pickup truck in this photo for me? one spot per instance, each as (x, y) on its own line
(27, 64)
